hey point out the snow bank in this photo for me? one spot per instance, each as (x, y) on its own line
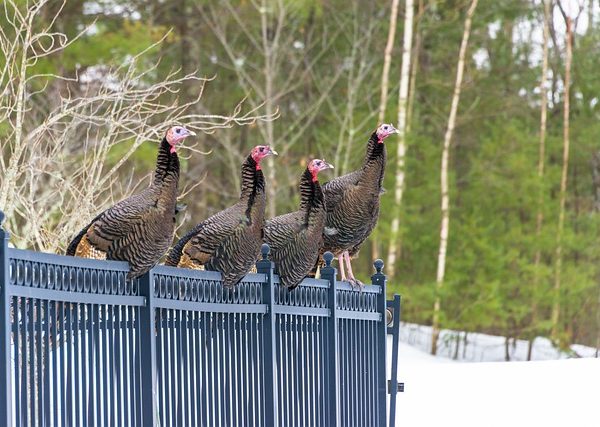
(442, 392)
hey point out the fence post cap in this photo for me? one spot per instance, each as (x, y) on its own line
(264, 250)
(328, 257)
(378, 264)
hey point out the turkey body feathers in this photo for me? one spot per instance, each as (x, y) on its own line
(295, 238)
(352, 202)
(139, 228)
(230, 240)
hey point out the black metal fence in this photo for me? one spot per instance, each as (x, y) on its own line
(82, 346)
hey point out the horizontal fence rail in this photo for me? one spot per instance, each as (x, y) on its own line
(83, 346)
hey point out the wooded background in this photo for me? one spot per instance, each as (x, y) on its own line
(479, 93)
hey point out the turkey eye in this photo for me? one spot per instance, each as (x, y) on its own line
(178, 130)
(262, 149)
(385, 128)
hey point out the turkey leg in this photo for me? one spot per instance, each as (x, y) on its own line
(354, 282)
(341, 265)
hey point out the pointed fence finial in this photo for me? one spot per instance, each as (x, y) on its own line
(264, 250)
(328, 257)
(378, 264)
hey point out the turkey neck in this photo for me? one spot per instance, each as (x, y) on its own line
(374, 163)
(253, 184)
(311, 196)
(166, 175)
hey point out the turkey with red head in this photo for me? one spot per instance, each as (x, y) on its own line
(230, 240)
(352, 202)
(140, 228)
(295, 238)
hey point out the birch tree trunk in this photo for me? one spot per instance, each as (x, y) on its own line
(563, 180)
(540, 171)
(401, 150)
(445, 205)
(385, 79)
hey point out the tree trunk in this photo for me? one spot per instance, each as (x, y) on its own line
(401, 150)
(385, 79)
(540, 173)
(413, 76)
(444, 228)
(563, 182)
(596, 181)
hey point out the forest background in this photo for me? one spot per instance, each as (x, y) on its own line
(499, 99)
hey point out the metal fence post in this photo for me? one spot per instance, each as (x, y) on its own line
(329, 273)
(269, 360)
(147, 331)
(394, 330)
(380, 279)
(5, 331)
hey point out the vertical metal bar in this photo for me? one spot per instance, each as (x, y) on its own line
(379, 279)
(112, 378)
(210, 368)
(149, 392)
(117, 364)
(5, 330)
(40, 365)
(241, 383)
(161, 363)
(137, 352)
(184, 358)
(56, 374)
(270, 399)
(76, 368)
(194, 371)
(17, 351)
(226, 368)
(342, 355)
(201, 335)
(333, 401)
(24, 361)
(31, 361)
(128, 361)
(85, 362)
(97, 378)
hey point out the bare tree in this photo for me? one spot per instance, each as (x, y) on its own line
(284, 64)
(540, 169)
(570, 26)
(385, 80)
(445, 206)
(54, 172)
(401, 148)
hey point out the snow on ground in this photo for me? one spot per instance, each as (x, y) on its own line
(485, 348)
(443, 392)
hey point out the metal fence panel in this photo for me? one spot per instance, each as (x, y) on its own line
(81, 345)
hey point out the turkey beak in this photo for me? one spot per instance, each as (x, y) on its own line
(273, 152)
(191, 132)
(327, 166)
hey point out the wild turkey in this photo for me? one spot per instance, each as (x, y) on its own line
(295, 238)
(352, 202)
(139, 228)
(230, 240)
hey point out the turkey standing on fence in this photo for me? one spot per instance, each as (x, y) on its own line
(140, 228)
(230, 240)
(353, 203)
(295, 238)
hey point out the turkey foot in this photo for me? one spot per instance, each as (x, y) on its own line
(354, 282)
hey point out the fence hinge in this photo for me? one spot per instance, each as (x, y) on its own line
(399, 387)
